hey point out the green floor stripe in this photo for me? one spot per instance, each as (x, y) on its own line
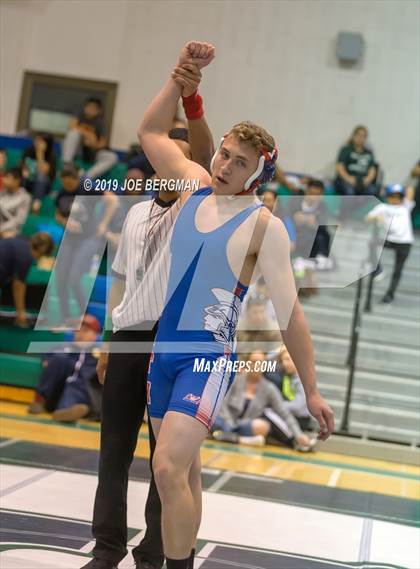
(237, 450)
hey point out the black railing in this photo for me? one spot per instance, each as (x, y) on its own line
(372, 262)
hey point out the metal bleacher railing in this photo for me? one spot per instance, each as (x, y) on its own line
(382, 387)
(372, 260)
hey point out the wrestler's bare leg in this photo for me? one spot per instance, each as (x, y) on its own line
(177, 474)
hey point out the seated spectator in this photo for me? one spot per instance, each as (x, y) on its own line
(394, 215)
(256, 330)
(254, 407)
(3, 163)
(16, 257)
(310, 217)
(85, 229)
(39, 167)
(287, 381)
(14, 204)
(356, 171)
(64, 384)
(86, 139)
(312, 237)
(273, 203)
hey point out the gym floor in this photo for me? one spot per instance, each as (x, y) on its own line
(264, 508)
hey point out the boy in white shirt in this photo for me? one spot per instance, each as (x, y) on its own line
(395, 213)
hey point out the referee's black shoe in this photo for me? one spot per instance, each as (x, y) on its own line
(145, 565)
(96, 563)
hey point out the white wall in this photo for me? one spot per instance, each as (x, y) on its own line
(275, 65)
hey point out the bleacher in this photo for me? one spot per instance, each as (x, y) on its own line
(17, 367)
(386, 395)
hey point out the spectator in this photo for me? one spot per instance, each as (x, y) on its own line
(86, 138)
(16, 257)
(286, 379)
(14, 204)
(39, 168)
(356, 173)
(272, 202)
(356, 170)
(255, 327)
(3, 163)
(310, 217)
(84, 236)
(64, 384)
(254, 407)
(394, 215)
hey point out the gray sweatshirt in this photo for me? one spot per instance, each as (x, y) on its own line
(14, 209)
(266, 396)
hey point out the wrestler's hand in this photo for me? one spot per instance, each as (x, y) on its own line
(322, 412)
(101, 367)
(188, 78)
(197, 52)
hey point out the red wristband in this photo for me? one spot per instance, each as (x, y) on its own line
(193, 106)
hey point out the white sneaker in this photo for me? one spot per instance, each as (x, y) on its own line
(255, 441)
(323, 263)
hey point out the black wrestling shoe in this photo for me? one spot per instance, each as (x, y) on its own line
(388, 298)
(96, 563)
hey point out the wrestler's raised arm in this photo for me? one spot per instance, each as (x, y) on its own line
(162, 152)
(199, 134)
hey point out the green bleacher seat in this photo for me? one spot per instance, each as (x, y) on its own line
(17, 340)
(14, 156)
(23, 371)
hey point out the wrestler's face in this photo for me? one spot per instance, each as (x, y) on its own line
(233, 165)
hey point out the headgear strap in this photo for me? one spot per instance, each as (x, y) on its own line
(264, 172)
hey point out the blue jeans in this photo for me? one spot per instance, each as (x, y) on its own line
(39, 187)
(54, 387)
(243, 428)
(73, 261)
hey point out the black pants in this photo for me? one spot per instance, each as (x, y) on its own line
(123, 407)
(402, 251)
(310, 243)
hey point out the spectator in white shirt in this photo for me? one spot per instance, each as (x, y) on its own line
(395, 213)
(14, 204)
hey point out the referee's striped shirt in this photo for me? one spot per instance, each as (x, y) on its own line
(142, 260)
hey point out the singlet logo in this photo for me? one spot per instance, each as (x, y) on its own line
(192, 398)
(222, 318)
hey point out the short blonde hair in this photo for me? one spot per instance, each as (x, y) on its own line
(254, 135)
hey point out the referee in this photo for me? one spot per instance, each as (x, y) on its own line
(136, 299)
